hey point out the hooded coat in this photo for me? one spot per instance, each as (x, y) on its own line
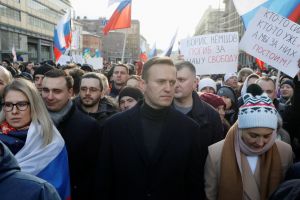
(15, 184)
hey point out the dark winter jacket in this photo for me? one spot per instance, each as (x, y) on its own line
(114, 92)
(206, 116)
(105, 110)
(82, 138)
(16, 185)
(126, 171)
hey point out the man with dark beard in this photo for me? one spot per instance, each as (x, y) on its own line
(91, 101)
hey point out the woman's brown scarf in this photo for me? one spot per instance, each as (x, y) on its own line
(231, 184)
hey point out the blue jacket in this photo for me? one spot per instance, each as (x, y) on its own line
(15, 184)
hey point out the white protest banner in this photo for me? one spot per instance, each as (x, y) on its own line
(274, 40)
(64, 59)
(97, 63)
(212, 54)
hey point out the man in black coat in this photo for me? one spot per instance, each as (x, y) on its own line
(188, 102)
(81, 133)
(150, 151)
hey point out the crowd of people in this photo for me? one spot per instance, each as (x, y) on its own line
(153, 130)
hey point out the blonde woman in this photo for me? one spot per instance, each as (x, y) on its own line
(27, 129)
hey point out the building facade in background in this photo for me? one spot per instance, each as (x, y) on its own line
(209, 22)
(28, 25)
(92, 42)
(226, 20)
(112, 44)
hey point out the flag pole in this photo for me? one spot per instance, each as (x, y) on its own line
(124, 45)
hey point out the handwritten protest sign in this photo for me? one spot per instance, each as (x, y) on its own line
(274, 40)
(212, 54)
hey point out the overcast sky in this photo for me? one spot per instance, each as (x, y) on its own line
(159, 19)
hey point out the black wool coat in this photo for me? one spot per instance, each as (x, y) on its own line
(82, 136)
(206, 116)
(175, 171)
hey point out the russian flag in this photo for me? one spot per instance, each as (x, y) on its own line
(121, 18)
(62, 35)
(49, 162)
(286, 8)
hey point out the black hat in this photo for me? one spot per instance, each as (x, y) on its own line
(7, 61)
(289, 82)
(227, 92)
(87, 67)
(131, 92)
(25, 75)
(42, 70)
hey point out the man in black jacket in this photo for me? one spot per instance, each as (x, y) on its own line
(150, 151)
(188, 102)
(91, 100)
(80, 132)
(15, 184)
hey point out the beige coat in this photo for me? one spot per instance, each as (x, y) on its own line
(213, 164)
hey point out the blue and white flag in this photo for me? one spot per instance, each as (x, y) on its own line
(286, 8)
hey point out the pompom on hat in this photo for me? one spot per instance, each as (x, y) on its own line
(257, 112)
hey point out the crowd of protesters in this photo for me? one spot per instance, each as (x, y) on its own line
(153, 130)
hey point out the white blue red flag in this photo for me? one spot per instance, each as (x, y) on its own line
(49, 162)
(121, 18)
(286, 8)
(168, 51)
(62, 36)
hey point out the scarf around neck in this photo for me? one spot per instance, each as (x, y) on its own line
(57, 117)
(236, 178)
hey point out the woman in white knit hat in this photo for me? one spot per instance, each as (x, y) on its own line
(207, 85)
(249, 163)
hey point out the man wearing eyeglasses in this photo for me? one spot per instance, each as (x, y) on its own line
(91, 100)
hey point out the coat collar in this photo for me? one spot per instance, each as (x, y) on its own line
(198, 112)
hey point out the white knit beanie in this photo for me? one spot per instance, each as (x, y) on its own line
(257, 111)
(207, 82)
(229, 75)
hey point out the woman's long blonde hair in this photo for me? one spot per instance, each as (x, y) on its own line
(38, 109)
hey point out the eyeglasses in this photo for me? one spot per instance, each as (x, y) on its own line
(9, 106)
(91, 89)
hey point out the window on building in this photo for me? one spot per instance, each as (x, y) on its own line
(45, 53)
(32, 50)
(9, 39)
(34, 4)
(61, 4)
(10, 13)
(39, 23)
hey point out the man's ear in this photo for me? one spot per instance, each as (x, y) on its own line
(143, 85)
(195, 84)
(71, 93)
